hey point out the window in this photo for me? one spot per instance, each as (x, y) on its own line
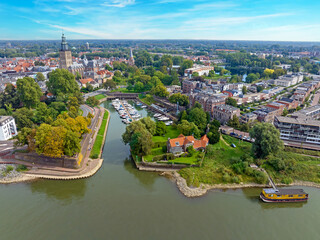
(290, 195)
(177, 144)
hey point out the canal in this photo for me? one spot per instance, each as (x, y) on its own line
(120, 202)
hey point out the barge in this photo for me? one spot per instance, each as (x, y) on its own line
(283, 195)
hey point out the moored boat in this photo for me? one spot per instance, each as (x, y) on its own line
(283, 195)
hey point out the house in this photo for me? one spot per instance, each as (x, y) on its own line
(224, 113)
(181, 143)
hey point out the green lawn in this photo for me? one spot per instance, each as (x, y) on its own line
(99, 97)
(172, 132)
(98, 142)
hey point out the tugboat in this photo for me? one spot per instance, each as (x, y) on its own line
(283, 195)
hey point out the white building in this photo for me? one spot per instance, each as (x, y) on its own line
(288, 80)
(8, 128)
(200, 69)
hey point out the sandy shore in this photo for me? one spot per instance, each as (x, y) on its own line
(204, 188)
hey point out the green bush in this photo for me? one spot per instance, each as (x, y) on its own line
(9, 169)
(21, 168)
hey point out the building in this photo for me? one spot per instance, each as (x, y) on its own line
(87, 46)
(224, 113)
(8, 128)
(189, 86)
(131, 59)
(181, 143)
(65, 54)
(200, 69)
(298, 129)
(248, 118)
(288, 80)
(310, 112)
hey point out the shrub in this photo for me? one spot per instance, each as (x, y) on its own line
(164, 148)
(21, 167)
(287, 180)
(9, 169)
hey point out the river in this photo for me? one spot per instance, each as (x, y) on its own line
(119, 202)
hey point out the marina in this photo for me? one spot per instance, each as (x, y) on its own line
(129, 114)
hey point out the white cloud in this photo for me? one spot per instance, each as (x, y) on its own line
(118, 3)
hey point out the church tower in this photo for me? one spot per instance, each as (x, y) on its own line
(131, 59)
(65, 54)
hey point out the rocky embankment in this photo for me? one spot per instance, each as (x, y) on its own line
(10, 174)
(204, 188)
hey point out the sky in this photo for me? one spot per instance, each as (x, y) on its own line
(280, 20)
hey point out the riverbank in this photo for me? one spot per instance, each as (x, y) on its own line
(192, 192)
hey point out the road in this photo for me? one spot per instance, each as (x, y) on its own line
(316, 98)
(86, 109)
(92, 94)
(6, 146)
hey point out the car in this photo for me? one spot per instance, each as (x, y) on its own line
(232, 145)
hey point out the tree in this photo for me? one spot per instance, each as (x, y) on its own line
(23, 117)
(199, 117)
(78, 76)
(150, 125)
(188, 128)
(107, 67)
(62, 83)
(44, 114)
(28, 91)
(267, 140)
(73, 102)
(260, 88)
(185, 65)
(161, 129)
(215, 124)
(285, 112)
(231, 101)
(138, 87)
(166, 60)
(71, 143)
(141, 143)
(50, 140)
(214, 136)
(183, 100)
(251, 78)
(92, 101)
(244, 90)
(40, 77)
(110, 84)
(160, 91)
(234, 122)
(9, 96)
(58, 106)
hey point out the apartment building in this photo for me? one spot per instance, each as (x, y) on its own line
(224, 113)
(8, 128)
(302, 130)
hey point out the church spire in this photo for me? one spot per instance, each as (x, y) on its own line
(64, 45)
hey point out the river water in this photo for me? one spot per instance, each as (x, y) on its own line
(120, 202)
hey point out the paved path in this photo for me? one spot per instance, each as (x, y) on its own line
(86, 109)
(316, 99)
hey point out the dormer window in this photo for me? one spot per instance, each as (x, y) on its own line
(177, 143)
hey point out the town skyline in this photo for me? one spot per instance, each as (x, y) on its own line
(163, 19)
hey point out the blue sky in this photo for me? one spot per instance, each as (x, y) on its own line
(293, 20)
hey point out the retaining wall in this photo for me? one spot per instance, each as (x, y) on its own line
(65, 162)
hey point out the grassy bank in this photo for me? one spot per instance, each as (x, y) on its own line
(225, 164)
(98, 142)
(99, 96)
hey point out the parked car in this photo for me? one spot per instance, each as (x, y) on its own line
(232, 145)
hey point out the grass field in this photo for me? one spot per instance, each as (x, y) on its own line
(98, 142)
(99, 97)
(172, 132)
